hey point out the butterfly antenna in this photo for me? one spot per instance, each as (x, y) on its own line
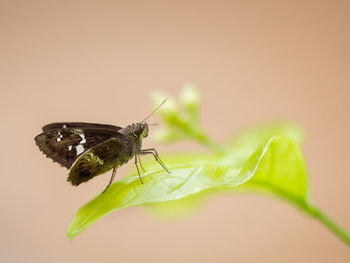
(160, 105)
(153, 124)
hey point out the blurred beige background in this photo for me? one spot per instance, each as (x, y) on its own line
(98, 61)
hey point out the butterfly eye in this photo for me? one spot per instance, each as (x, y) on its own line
(145, 132)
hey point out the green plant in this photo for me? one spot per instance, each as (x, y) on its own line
(265, 159)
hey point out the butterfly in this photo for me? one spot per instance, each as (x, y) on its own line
(91, 149)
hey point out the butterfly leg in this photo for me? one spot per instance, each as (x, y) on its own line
(156, 156)
(143, 169)
(137, 167)
(112, 177)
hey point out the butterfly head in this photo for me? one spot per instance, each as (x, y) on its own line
(140, 130)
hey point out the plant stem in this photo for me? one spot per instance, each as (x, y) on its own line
(306, 207)
(327, 222)
(210, 144)
(198, 134)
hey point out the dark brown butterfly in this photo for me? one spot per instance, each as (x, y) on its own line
(91, 149)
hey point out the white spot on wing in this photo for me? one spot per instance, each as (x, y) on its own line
(80, 149)
(70, 147)
(82, 136)
(60, 136)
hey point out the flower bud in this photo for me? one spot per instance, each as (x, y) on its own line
(190, 99)
(169, 111)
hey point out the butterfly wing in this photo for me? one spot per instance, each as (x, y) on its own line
(98, 160)
(65, 145)
(78, 125)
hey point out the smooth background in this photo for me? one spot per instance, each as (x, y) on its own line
(98, 61)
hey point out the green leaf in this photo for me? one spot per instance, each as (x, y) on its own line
(158, 187)
(282, 170)
(239, 148)
(278, 168)
(245, 142)
(284, 179)
(190, 179)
